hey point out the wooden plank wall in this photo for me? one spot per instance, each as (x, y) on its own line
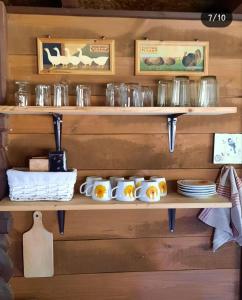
(126, 254)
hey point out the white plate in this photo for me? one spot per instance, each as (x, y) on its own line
(196, 195)
(195, 190)
(196, 183)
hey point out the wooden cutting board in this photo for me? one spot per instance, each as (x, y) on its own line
(38, 250)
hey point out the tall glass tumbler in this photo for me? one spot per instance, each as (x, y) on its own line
(180, 91)
(43, 95)
(135, 95)
(147, 96)
(208, 91)
(164, 93)
(83, 95)
(61, 94)
(194, 92)
(117, 94)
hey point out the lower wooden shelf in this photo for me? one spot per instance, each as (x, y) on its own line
(172, 200)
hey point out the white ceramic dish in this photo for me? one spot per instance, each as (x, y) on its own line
(196, 183)
(192, 195)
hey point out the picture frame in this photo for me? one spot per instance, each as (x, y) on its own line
(173, 58)
(76, 56)
(227, 148)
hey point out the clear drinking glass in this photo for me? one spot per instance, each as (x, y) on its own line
(22, 94)
(61, 94)
(164, 93)
(147, 96)
(83, 95)
(208, 91)
(43, 95)
(180, 91)
(193, 92)
(135, 95)
(117, 94)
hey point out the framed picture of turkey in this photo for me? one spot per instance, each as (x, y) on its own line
(171, 58)
(76, 56)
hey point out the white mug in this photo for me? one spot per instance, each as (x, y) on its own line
(148, 191)
(114, 180)
(89, 181)
(100, 190)
(162, 184)
(124, 191)
(137, 180)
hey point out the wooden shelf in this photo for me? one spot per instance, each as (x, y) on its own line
(107, 110)
(172, 200)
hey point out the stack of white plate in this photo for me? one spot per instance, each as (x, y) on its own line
(196, 188)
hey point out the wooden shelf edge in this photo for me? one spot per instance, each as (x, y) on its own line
(173, 200)
(106, 110)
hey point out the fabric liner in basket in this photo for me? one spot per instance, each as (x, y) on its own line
(32, 186)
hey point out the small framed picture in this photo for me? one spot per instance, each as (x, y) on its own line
(227, 148)
(75, 56)
(171, 58)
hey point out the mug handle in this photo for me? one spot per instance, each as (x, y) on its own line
(89, 188)
(81, 188)
(135, 192)
(112, 195)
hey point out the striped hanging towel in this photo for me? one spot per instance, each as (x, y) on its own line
(226, 221)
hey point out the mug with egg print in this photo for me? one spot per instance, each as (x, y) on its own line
(89, 182)
(100, 190)
(148, 191)
(114, 180)
(137, 180)
(124, 191)
(162, 184)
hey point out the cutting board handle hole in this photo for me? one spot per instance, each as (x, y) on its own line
(37, 215)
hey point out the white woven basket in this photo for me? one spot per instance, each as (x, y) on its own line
(34, 186)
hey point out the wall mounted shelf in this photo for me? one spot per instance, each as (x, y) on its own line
(126, 111)
(171, 202)
(79, 202)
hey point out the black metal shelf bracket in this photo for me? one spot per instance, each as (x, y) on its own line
(57, 123)
(172, 219)
(172, 122)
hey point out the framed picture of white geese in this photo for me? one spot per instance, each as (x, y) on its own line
(76, 56)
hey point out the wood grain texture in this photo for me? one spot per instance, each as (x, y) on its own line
(127, 124)
(131, 146)
(193, 285)
(123, 111)
(135, 255)
(80, 202)
(118, 224)
(38, 250)
(224, 43)
(23, 67)
(148, 151)
(3, 53)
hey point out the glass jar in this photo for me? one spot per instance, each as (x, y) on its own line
(208, 91)
(22, 94)
(134, 95)
(164, 93)
(61, 94)
(147, 96)
(83, 95)
(43, 95)
(117, 95)
(181, 91)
